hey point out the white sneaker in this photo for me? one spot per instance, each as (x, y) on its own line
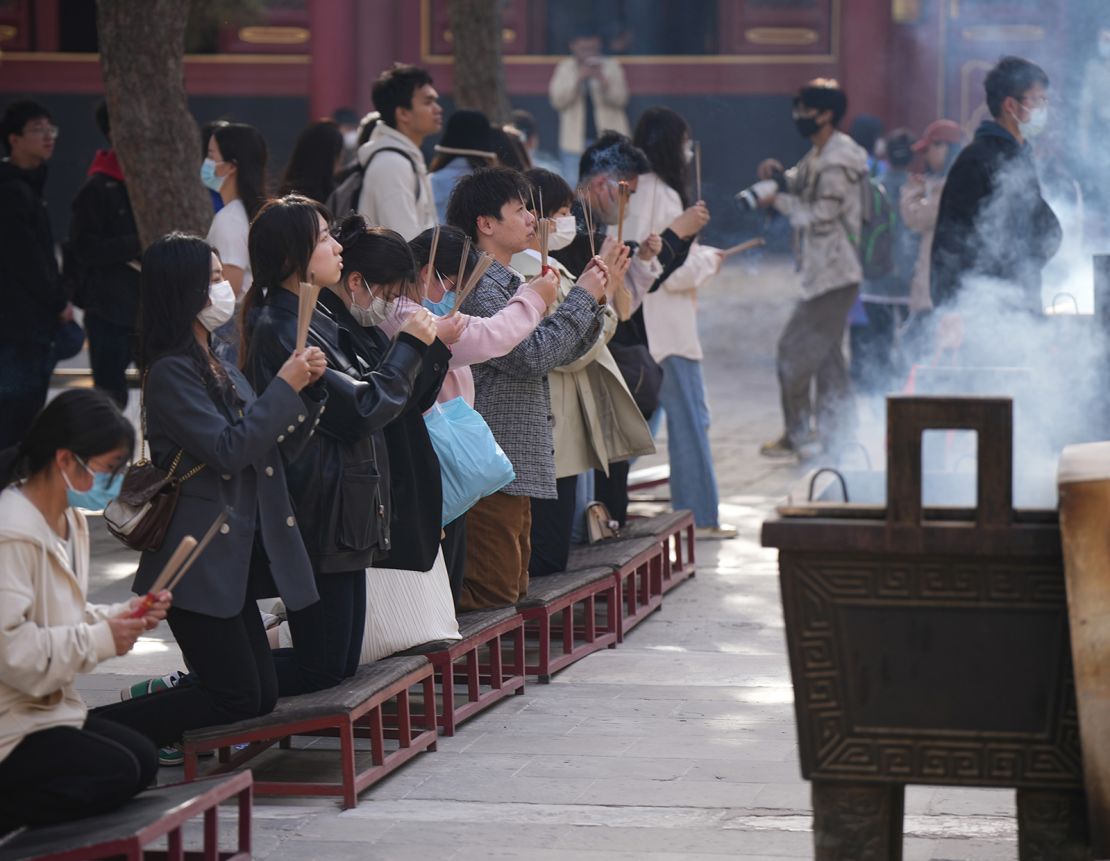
(720, 532)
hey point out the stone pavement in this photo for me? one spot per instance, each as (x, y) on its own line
(679, 744)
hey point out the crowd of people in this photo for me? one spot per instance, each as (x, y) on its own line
(437, 296)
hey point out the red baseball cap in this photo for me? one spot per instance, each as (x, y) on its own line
(940, 131)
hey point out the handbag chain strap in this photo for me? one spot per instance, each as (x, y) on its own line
(144, 459)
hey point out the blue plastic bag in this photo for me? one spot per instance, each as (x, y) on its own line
(472, 464)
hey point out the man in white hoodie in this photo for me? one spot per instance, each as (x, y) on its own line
(823, 198)
(396, 191)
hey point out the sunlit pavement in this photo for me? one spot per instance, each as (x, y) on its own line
(680, 744)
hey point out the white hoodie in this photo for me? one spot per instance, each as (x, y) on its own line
(48, 632)
(388, 197)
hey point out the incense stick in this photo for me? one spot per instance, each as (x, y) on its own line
(697, 166)
(543, 235)
(622, 202)
(584, 202)
(199, 549)
(431, 259)
(171, 567)
(463, 260)
(306, 304)
(743, 246)
(476, 274)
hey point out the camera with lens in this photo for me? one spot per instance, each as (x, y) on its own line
(749, 198)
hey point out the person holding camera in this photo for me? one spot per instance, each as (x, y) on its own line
(822, 196)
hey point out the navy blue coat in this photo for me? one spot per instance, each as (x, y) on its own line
(244, 470)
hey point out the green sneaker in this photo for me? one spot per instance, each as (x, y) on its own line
(151, 686)
(171, 756)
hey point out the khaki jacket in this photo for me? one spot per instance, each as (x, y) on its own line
(596, 419)
(48, 632)
(568, 99)
(824, 202)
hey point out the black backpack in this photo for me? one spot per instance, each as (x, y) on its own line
(348, 186)
(878, 228)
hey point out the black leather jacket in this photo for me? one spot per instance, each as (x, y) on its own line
(340, 484)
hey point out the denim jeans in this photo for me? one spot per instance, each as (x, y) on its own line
(25, 369)
(693, 483)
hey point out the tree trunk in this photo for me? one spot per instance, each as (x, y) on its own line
(142, 58)
(479, 76)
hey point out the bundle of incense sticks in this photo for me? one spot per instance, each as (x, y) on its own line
(622, 201)
(743, 246)
(588, 216)
(484, 263)
(463, 260)
(306, 304)
(697, 168)
(431, 259)
(543, 236)
(187, 552)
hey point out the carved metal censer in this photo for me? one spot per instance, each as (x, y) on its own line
(929, 645)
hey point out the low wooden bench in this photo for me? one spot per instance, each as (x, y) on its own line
(637, 566)
(373, 703)
(501, 634)
(549, 611)
(149, 817)
(670, 528)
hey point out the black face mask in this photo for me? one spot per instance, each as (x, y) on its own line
(807, 126)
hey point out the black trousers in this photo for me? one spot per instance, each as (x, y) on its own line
(612, 489)
(65, 773)
(232, 678)
(25, 369)
(110, 352)
(454, 555)
(552, 523)
(327, 636)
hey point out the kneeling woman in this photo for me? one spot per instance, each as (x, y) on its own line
(228, 445)
(57, 762)
(340, 486)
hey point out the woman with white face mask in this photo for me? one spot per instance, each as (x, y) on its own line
(596, 420)
(228, 447)
(340, 484)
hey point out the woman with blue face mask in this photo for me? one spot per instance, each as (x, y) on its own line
(57, 761)
(230, 446)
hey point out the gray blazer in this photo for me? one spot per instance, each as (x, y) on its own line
(511, 392)
(243, 471)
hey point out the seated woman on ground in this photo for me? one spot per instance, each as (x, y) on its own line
(57, 762)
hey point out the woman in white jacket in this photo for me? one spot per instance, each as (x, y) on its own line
(57, 762)
(670, 317)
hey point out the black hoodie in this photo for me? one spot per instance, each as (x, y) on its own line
(30, 290)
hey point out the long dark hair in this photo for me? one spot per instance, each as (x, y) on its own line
(311, 168)
(381, 256)
(551, 188)
(84, 421)
(173, 288)
(280, 244)
(660, 133)
(244, 146)
(448, 252)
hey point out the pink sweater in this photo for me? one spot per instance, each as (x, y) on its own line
(484, 338)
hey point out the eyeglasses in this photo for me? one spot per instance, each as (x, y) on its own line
(42, 131)
(1042, 102)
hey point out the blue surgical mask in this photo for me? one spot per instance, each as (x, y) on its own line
(105, 488)
(208, 175)
(443, 307)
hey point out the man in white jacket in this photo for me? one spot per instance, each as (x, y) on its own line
(396, 191)
(590, 93)
(823, 198)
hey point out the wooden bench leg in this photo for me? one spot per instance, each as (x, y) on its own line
(175, 847)
(857, 821)
(347, 754)
(447, 684)
(1052, 824)
(211, 834)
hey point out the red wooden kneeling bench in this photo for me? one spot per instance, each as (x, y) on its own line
(549, 611)
(637, 566)
(486, 681)
(357, 707)
(670, 528)
(147, 818)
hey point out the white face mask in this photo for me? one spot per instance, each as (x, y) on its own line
(350, 139)
(566, 228)
(688, 153)
(1038, 120)
(375, 315)
(221, 308)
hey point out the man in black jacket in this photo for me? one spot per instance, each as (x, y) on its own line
(994, 227)
(105, 244)
(30, 291)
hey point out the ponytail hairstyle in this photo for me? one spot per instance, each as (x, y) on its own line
(448, 252)
(282, 238)
(173, 287)
(84, 421)
(381, 256)
(244, 146)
